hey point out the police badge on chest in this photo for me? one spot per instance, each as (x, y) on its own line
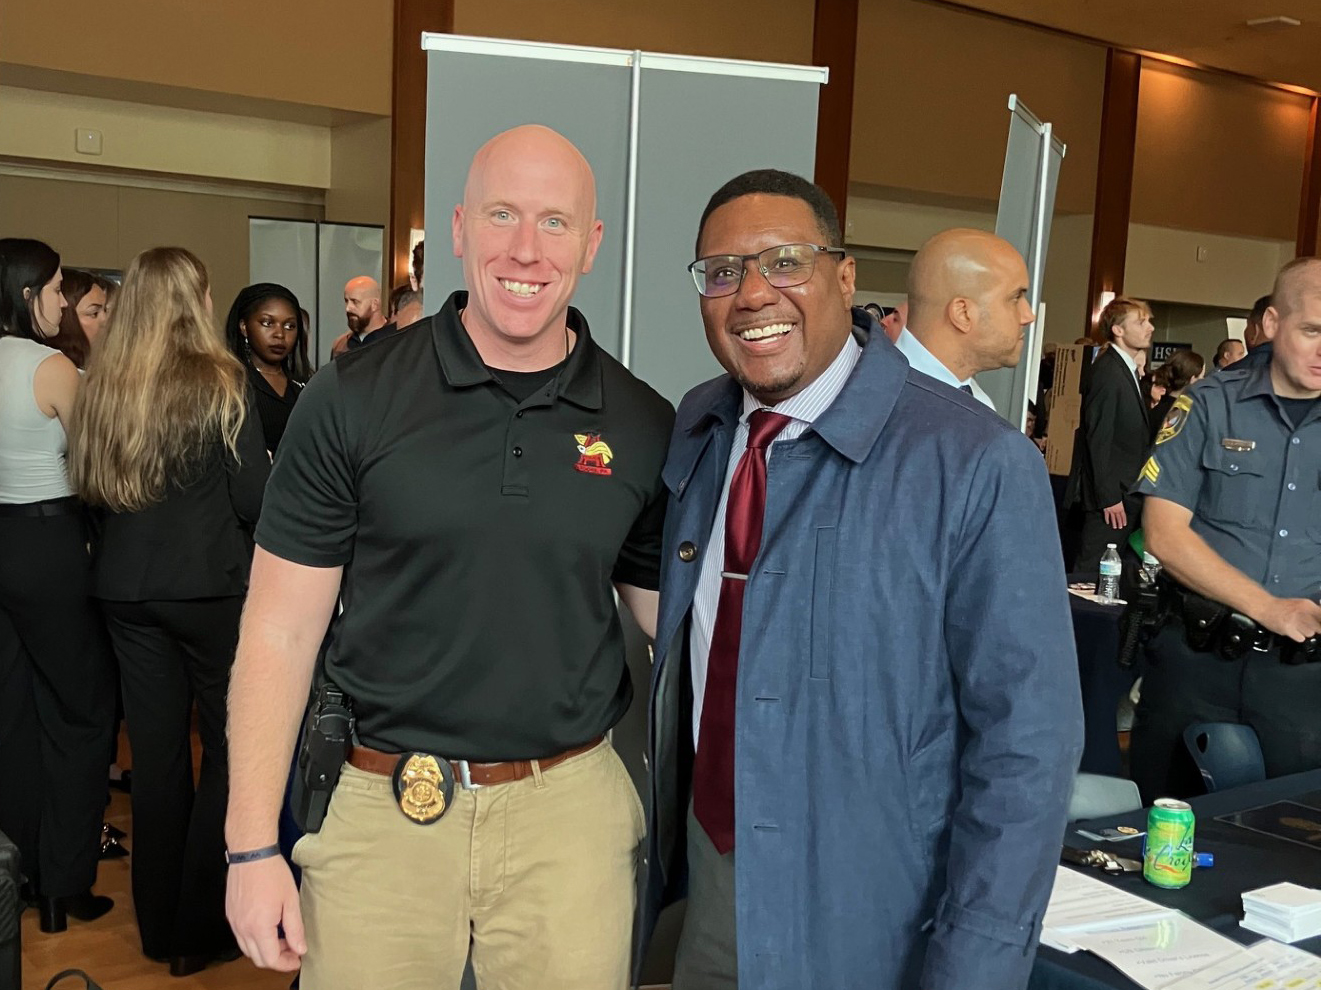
(423, 786)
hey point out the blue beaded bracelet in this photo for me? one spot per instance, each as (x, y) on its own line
(251, 856)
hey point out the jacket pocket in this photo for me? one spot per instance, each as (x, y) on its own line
(823, 581)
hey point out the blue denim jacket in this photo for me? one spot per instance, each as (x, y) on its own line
(908, 712)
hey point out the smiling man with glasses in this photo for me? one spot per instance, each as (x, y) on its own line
(865, 714)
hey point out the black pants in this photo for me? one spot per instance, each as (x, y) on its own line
(1096, 533)
(56, 702)
(170, 655)
(1181, 686)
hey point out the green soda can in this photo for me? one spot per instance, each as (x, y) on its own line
(1167, 851)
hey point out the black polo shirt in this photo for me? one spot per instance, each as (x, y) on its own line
(479, 537)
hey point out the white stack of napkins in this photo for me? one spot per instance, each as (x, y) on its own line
(1286, 912)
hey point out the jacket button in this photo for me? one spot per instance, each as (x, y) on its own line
(687, 551)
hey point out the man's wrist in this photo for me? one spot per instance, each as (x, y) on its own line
(241, 856)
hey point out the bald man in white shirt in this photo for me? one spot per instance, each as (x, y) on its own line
(968, 308)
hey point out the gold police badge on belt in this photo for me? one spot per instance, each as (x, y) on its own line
(423, 786)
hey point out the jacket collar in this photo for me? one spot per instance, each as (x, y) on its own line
(579, 382)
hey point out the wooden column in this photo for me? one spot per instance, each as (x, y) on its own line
(409, 126)
(835, 46)
(1309, 204)
(1114, 179)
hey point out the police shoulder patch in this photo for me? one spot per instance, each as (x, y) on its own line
(1183, 405)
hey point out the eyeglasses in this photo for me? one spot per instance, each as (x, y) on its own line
(782, 266)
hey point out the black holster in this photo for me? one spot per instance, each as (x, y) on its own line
(1146, 613)
(323, 747)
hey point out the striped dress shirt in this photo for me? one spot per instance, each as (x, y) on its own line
(803, 409)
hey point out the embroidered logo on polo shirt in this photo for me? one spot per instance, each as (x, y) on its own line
(594, 454)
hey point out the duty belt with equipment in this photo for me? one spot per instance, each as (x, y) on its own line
(1212, 627)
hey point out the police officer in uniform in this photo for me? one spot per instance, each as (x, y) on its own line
(1233, 512)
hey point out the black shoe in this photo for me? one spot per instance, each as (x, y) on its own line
(110, 847)
(55, 911)
(188, 965)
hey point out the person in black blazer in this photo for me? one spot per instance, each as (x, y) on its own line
(265, 330)
(1114, 437)
(166, 443)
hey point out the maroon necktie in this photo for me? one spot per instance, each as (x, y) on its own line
(713, 768)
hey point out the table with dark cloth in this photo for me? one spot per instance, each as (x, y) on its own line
(1103, 681)
(1244, 860)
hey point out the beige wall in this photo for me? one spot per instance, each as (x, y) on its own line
(1162, 264)
(683, 27)
(102, 226)
(930, 103)
(42, 126)
(1218, 154)
(360, 173)
(326, 53)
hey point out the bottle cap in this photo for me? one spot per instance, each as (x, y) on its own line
(1204, 859)
(1147, 558)
(1109, 546)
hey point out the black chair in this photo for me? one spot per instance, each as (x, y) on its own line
(1227, 754)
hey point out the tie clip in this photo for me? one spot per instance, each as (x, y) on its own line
(1238, 446)
(733, 576)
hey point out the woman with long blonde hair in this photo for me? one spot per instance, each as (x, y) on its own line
(164, 441)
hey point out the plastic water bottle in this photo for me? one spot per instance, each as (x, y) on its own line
(1107, 588)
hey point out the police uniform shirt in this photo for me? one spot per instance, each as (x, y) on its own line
(1231, 453)
(479, 536)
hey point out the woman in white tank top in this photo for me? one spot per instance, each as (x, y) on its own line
(56, 701)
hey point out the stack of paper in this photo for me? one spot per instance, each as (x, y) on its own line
(1284, 911)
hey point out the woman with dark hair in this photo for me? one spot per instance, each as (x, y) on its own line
(1180, 370)
(164, 441)
(265, 330)
(56, 701)
(84, 317)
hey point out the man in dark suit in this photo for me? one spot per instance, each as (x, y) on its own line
(1114, 436)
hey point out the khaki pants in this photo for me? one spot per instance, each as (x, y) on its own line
(540, 874)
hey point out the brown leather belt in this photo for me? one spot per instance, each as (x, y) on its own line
(470, 774)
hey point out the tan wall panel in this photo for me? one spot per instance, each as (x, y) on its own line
(80, 220)
(360, 173)
(136, 136)
(1162, 264)
(332, 53)
(103, 226)
(215, 228)
(684, 27)
(930, 103)
(1217, 154)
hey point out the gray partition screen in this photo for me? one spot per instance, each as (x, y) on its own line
(521, 91)
(686, 153)
(1027, 205)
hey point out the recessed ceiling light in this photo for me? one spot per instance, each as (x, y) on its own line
(1279, 20)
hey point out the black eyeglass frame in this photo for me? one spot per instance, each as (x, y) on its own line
(699, 279)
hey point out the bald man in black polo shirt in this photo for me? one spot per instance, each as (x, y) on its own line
(474, 490)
